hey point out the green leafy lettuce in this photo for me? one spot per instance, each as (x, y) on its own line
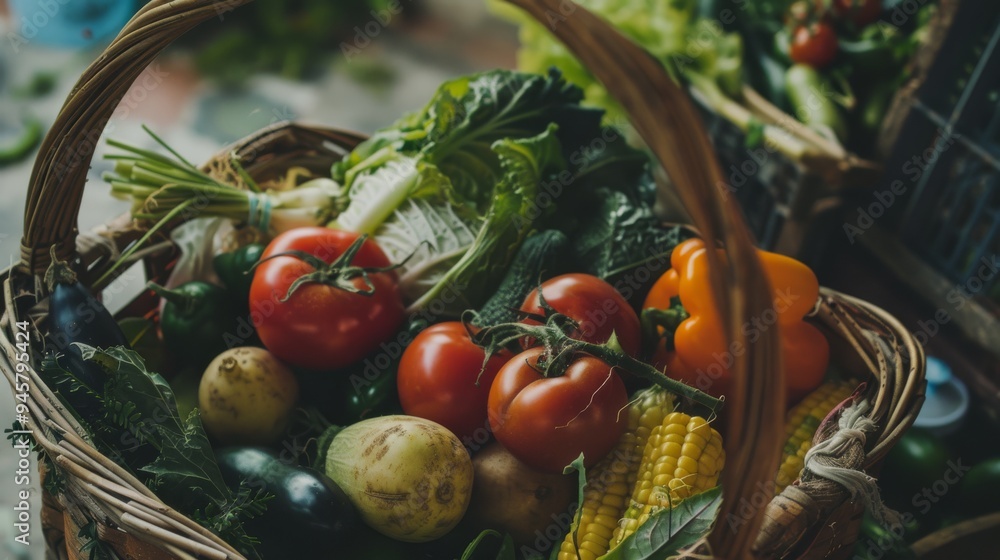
(456, 185)
(670, 30)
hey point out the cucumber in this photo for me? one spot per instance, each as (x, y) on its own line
(308, 515)
(809, 95)
(541, 256)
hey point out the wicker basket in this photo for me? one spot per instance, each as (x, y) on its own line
(814, 518)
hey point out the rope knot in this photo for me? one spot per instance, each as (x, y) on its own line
(853, 427)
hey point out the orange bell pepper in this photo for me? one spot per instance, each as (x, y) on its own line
(697, 351)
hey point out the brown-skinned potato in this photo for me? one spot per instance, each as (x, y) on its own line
(509, 496)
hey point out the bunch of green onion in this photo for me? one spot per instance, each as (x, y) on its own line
(162, 188)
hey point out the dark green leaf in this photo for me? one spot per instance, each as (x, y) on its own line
(93, 546)
(509, 220)
(506, 551)
(621, 234)
(669, 530)
(607, 160)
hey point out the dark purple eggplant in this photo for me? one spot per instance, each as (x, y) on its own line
(77, 316)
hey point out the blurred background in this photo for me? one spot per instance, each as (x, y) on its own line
(890, 193)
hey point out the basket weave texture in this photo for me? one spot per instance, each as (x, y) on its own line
(815, 518)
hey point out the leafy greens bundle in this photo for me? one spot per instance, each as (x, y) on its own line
(458, 184)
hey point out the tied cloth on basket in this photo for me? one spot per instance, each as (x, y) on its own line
(819, 460)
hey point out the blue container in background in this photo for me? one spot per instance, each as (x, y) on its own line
(69, 23)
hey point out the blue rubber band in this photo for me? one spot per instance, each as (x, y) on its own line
(260, 211)
(252, 218)
(265, 214)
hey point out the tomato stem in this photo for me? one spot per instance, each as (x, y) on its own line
(561, 348)
(649, 373)
(662, 323)
(339, 274)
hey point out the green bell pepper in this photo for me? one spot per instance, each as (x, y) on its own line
(195, 321)
(235, 269)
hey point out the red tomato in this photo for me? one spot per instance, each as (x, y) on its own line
(861, 12)
(546, 422)
(815, 45)
(322, 326)
(437, 380)
(593, 303)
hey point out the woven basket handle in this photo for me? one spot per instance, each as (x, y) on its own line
(664, 116)
(55, 189)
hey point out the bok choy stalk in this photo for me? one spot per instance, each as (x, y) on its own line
(158, 184)
(457, 184)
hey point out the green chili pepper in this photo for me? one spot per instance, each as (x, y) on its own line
(195, 321)
(235, 269)
(812, 99)
(869, 57)
(875, 107)
(24, 144)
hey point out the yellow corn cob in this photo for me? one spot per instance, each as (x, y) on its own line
(683, 457)
(801, 425)
(610, 481)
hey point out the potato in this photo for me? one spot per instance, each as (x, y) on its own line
(246, 397)
(507, 495)
(410, 478)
